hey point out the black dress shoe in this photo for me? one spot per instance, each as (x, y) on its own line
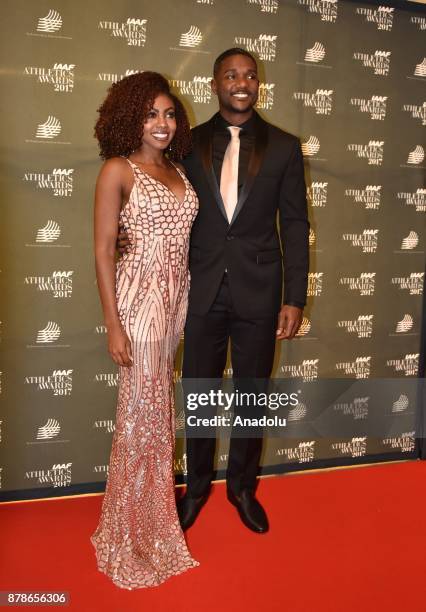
(189, 508)
(251, 512)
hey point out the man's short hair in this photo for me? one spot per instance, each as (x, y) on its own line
(230, 53)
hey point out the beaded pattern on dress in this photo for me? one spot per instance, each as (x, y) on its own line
(139, 541)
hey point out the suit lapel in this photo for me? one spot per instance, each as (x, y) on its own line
(206, 150)
(205, 144)
(255, 161)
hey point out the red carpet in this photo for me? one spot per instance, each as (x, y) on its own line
(340, 541)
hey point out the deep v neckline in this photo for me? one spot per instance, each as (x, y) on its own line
(155, 180)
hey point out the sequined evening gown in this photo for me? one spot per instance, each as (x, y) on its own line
(139, 541)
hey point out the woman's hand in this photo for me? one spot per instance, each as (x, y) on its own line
(119, 346)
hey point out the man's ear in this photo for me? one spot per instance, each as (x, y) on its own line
(213, 86)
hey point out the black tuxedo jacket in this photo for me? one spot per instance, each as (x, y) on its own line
(249, 247)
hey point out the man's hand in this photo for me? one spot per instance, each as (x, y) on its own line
(122, 241)
(289, 320)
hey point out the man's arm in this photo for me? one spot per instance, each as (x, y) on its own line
(294, 231)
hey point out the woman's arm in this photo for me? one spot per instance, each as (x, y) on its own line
(108, 199)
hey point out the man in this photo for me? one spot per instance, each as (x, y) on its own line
(244, 171)
(243, 176)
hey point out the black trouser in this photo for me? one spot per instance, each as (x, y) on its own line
(205, 351)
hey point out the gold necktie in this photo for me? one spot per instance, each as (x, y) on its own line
(229, 173)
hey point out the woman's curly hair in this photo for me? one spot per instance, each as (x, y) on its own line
(119, 127)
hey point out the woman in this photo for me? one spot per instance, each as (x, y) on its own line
(139, 541)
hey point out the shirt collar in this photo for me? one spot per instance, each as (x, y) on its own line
(247, 127)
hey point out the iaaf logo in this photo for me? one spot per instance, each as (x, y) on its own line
(382, 16)
(304, 452)
(416, 156)
(60, 181)
(315, 54)
(419, 21)
(373, 151)
(315, 282)
(199, 88)
(405, 324)
(311, 146)
(317, 194)
(133, 30)
(59, 283)
(113, 77)
(59, 475)
(192, 38)
(180, 465)
(360, 368)
(368, 240)
(264, 46)
(305, 327)
(406, 442)
(266, 6)
(59, 382)
(327, 9)
(109, 379)
(369, 196)
(375, 106)
(265, 98)
(401, 404)
(321, 100)
(51, 23)
(61, 76)
(297, 413)
(357, 447)
(49, 129)
(362, 326)
(417, 112)
(414, 282)
(49, 233)
(420, 69)
(358, 409)
(106, 424)
(49, 334)
(307, 370)
(410, 242)
(379, 61)
(408, 364)
(48, 431)
(417, 199)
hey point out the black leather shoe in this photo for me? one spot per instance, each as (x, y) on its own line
(251, 512)
(189, 508)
